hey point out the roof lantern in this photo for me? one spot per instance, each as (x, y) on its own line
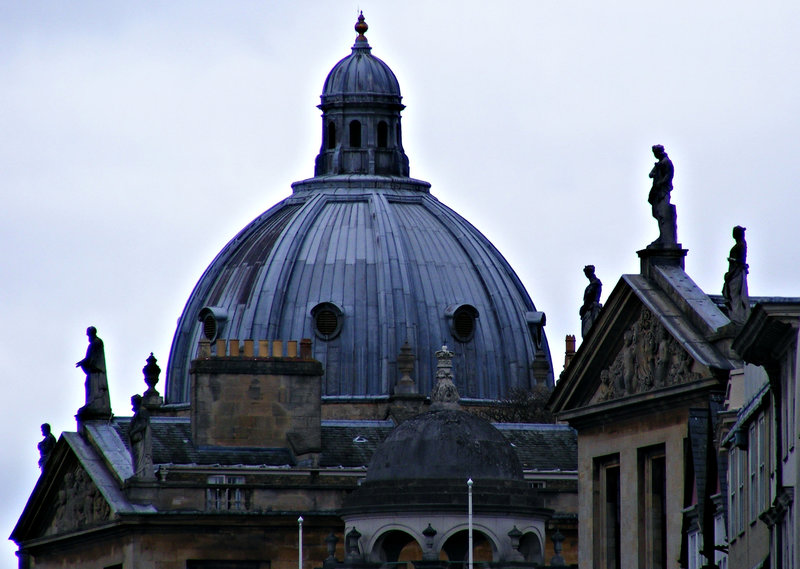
(361, 106)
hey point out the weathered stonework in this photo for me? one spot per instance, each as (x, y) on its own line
(649, 359)
(78, 504)
(257, 402)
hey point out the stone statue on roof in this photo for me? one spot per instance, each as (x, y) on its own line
(98, 404)
(141, 440)
(46, 445)
(664, 212)
(737, 298)
(590, 309)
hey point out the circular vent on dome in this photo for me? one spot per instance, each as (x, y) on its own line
(212, 319)
(327, 320)
(210, 327)
(462, 321)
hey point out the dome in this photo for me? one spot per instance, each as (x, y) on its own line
(445, 444)
(362, 259)
(360, 74)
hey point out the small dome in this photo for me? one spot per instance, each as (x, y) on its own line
(360, 74)
(445, 444)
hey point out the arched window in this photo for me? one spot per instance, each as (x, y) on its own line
(355, 134)
(331, 135)
(383, 134)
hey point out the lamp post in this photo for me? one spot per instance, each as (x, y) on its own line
(300, 542)
(469, 517)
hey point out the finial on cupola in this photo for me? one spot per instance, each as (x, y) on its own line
(361, 28)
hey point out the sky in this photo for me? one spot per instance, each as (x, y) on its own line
(138, 138)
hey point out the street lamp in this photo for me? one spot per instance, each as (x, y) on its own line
(300, 542)
(469, 509)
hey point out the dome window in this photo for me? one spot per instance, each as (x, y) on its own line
(331, 135)
(462, 321)
(327, 320)
(383, 134)
(355, 134)
(212, 319)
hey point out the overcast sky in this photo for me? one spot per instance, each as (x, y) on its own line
(138, 138)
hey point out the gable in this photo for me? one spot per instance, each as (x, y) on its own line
(76, 503)
(648, 358)
(643, 353)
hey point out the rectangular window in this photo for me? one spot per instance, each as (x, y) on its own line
(607, 501)
(734, 490)
(763, 476)
(787, 538)
(721, 540)
(752, 462)
(652, 508)
(787, 407)
(741, 466)
(694, 550)
(224, 493)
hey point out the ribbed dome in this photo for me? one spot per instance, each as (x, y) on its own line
(386, 263)
(361, 259)
(360, 73)
(445, 444)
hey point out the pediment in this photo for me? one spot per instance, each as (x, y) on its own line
(75, 503)
(65, 499)
(648, 358)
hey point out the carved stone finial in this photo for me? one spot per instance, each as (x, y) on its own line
(664, 212)
(430, 554)
(151, 371)
(351, 547)
(737, 297)
(444, 393)
(361, 27)
(46, 445)
(98, 403)
(590, 309)
(558, 539)
(141, 440)
(330, 543)
(514, 535)
(405, 365)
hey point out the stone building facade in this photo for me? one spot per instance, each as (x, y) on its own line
(307, 341)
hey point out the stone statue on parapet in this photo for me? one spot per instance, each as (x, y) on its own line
(590, 309)
(141, 440)
(737, 298)
(98, 404)
(663, 211)
(46, 445)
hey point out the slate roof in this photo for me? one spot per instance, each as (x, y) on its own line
(347, 444)
(172, 445)
(543, 447)
(351, 443)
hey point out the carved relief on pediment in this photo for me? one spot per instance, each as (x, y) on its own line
(650, 358)
(77, 504)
